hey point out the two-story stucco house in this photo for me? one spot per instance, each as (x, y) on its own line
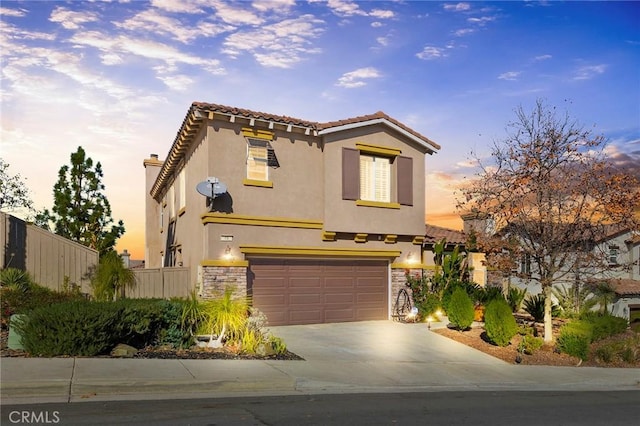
(318, 222)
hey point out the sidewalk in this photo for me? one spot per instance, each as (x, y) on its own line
(377, 356)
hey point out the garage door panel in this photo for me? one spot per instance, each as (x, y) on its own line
(295, 291)
(342, 282)
(305, 317)
(339, 298)
(372, 298)
(304, 299)
(305, 283)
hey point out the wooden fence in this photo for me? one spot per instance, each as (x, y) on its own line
(162, 283)
(50, 259)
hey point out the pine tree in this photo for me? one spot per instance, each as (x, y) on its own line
(81, 211)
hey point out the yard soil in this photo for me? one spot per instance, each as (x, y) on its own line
(476, 338)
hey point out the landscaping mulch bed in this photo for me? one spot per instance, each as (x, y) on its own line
(165, 353)
(546, 355)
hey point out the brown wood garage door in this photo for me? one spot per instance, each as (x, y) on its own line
(297, 291)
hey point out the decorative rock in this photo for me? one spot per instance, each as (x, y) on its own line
(124, 351)
(265, 349)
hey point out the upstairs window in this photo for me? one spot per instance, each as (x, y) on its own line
(257, 159)
(375, 178)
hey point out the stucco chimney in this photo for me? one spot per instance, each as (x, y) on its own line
(126, 258)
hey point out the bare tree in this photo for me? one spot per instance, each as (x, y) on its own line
(552, 187)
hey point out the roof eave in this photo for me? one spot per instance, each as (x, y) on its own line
(431, 147)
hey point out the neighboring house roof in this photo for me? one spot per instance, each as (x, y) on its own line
(433, 234)
(625, 287)
(201, 110)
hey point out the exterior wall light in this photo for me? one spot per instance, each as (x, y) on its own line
(227, 254)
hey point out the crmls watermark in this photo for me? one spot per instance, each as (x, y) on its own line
(34, 417)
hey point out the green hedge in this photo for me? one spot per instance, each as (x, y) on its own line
(499, 322)
(576, 336)
(460, 311)
(86, 328)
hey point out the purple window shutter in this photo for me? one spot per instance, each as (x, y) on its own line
(405, 181)
(350, 174)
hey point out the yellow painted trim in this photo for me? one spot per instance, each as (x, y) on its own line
(242, 263)
(418, 239)
(360, 238)
(318, 251)
(261, 183)
(182, 211)
(380, 204)
(328, 236)
(378, 150)
(257, 134)
(406, 265)
(390, 239)
(282, 222)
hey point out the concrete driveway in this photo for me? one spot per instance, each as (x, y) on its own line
(371, 341)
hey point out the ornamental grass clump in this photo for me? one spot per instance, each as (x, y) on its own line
(499, 322)
(461, 309)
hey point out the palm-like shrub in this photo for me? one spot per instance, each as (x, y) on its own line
(461, 310)
(111, 278)
(515, 297)
(226, 317)
(574, 302)
(499, 322)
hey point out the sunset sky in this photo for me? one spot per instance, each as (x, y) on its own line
(117, 78)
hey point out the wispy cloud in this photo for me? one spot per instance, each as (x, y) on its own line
(178, 6)
(280, 45)
(458, 7)
(72, 20)
(509, 75)
(463, 32)
(432, 52)
(358, 78)
(347, 9)
(152, 21)
(123, 45)
(16, 13)
(482, 20)
(588, 72)
(542, 57)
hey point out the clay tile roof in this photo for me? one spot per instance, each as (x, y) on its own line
(433, 234)
(625, 287)
(377, 115)
(224, 109)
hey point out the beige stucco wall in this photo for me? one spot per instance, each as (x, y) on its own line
(307, 186)
(344, 215)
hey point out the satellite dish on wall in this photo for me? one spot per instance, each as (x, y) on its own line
(211, 187)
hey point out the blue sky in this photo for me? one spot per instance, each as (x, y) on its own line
(118, 77)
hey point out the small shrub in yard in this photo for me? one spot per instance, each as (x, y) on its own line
(515, 297)
(574, 339)
(534, 306)
(604, 326)
(529, 344)
(499, 322)
(605, 353)
(460, 311)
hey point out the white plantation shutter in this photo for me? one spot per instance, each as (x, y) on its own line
(375, 176)
(257, 160)
(382, 179)
(367, 182)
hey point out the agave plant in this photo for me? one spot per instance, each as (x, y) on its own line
(534, 306)
(15, 279)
